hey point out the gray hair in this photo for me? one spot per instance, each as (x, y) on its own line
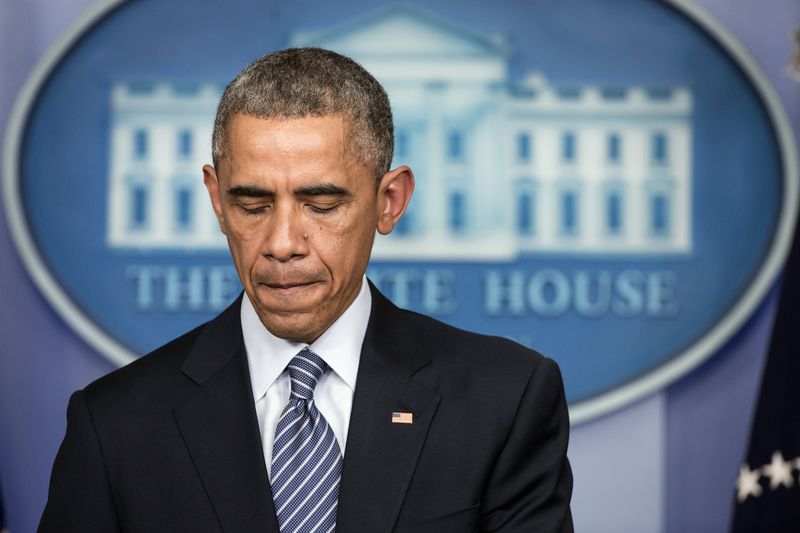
(302, 82)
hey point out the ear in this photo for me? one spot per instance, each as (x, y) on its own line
(211, 180)
(394, 193)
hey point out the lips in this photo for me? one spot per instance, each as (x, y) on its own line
(279, 283)
(286, 285)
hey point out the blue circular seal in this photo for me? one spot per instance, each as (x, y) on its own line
(613, 184)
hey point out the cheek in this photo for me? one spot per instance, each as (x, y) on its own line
(244, 245)
(336, 251)
(240, 229)
(244, 230)
(348, 252)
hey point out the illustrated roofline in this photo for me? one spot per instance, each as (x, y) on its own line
(494, 44)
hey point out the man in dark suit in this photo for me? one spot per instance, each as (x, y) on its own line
(313, 403)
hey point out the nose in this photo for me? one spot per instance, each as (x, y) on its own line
(285, 239)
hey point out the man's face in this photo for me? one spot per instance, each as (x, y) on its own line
(300, 214)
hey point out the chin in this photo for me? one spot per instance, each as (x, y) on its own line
(297, 330)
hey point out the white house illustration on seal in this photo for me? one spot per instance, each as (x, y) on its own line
(503, 168)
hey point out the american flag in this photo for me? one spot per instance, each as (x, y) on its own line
(402, 418)
(767, 493)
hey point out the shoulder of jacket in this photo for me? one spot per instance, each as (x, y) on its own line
(451, 343)
(148, 371)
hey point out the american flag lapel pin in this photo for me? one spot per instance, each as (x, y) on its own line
(400, 417)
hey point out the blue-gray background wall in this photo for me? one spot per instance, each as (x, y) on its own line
(666, 463)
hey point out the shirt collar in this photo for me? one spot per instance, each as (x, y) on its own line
(339, 345)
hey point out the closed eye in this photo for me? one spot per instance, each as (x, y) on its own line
(255, 210)
(323, 208)
(323, 198)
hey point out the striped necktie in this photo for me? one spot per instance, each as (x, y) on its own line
(306, 459)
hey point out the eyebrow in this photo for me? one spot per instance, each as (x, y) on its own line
(322, 189)
(249, 191)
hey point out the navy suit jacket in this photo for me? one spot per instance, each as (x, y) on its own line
(171, 441)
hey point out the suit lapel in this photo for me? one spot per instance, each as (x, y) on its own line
(219, 425)
(380, 456)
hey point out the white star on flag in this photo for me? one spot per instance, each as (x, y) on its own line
(779, 472)
(747, 484)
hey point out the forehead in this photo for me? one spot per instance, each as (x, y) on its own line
(248, 133)
(311, 147)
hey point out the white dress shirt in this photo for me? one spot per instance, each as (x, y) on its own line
(339, 346)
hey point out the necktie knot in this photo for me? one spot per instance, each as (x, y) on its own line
(305, 369)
